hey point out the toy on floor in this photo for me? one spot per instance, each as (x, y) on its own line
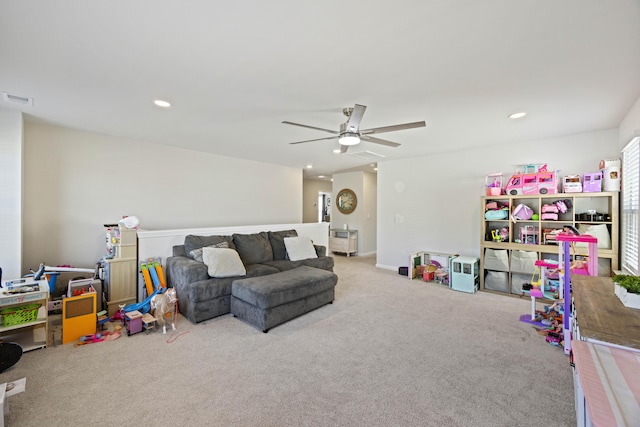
(133, 322)
(143, 306)
(163, 305)
(118, 315)
(152, 275)
(549, 322)
(99, 337)
(148, 322)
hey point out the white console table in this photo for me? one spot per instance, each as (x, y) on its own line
(343, 240)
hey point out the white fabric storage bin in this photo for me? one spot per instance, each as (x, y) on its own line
(496, 281)
(517, 280)
(523, 261)
(496, 259)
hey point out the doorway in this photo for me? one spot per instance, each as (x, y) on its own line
(324, 207)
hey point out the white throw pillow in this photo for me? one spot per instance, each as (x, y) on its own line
(223, 262)
(300, 248)
(599, 231)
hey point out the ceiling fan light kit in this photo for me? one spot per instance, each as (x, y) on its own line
(350, 133)
(349, 138)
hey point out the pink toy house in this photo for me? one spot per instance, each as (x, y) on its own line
(592, 182)
(493, 184)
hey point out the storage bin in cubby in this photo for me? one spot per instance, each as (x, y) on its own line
(517, 280)
(523, 261)
(496, 259)
(496, 281)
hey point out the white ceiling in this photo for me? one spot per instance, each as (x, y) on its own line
(235, 70)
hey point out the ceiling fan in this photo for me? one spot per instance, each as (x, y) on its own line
(350, 132)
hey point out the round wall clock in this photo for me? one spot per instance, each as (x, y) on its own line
(346, 201)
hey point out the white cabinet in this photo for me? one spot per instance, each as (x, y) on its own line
(120, 281)
(343, 241)
(121, 271)
(32, 333)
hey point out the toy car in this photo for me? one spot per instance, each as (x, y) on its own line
(542, 182)
(553, 338)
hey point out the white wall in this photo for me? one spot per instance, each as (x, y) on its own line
(310, 190)
(630, 125)
(77, 181)
(433, 202)
(369, 218)
(10, 194)
(363, 218)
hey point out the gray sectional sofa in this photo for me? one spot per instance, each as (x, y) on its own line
(202, 297)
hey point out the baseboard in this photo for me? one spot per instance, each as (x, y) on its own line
(387, 267)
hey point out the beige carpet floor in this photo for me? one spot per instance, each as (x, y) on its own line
(388, 352)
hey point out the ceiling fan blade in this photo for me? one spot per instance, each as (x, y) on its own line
(343, 149)
(354, 119)
(311, 140)
(393, 128)
(311, 127)
(379, 141)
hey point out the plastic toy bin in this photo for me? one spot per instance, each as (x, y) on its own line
(17, 315)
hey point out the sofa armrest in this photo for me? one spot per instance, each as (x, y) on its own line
(183, 271)
(320, 250)
(179, 250)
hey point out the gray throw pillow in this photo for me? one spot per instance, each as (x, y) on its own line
(253, 248)
(277, 243)
(192, 242)
(196, 254)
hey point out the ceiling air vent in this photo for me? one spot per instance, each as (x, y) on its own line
(16, 99)
(366, 155)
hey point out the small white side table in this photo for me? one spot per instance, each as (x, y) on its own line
(343, 240)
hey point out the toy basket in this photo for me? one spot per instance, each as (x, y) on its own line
(19, 314)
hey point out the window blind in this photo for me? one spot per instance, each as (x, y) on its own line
(630, 206)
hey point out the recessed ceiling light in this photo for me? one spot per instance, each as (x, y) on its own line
(309, 166)
(336, 151)
(320, 176)
(517, 115)
(161, 103)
